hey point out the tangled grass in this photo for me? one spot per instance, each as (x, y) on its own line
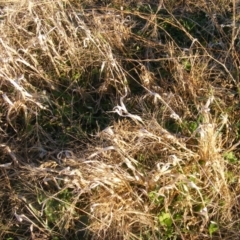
(119, 120)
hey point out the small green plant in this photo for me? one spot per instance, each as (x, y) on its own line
(188, 24)
(155, 198)
(141, 157)
(213, 227)
(187, 65)
(189, 126)
(56, 207)
(166, 222)
(230, 157)
(55, 238)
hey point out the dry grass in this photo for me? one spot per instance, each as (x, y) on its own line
(119, 120)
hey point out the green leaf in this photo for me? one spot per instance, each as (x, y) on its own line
(213, 227)
(230, 157)
(165, 220)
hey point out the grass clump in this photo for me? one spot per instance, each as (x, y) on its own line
(119, 120)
